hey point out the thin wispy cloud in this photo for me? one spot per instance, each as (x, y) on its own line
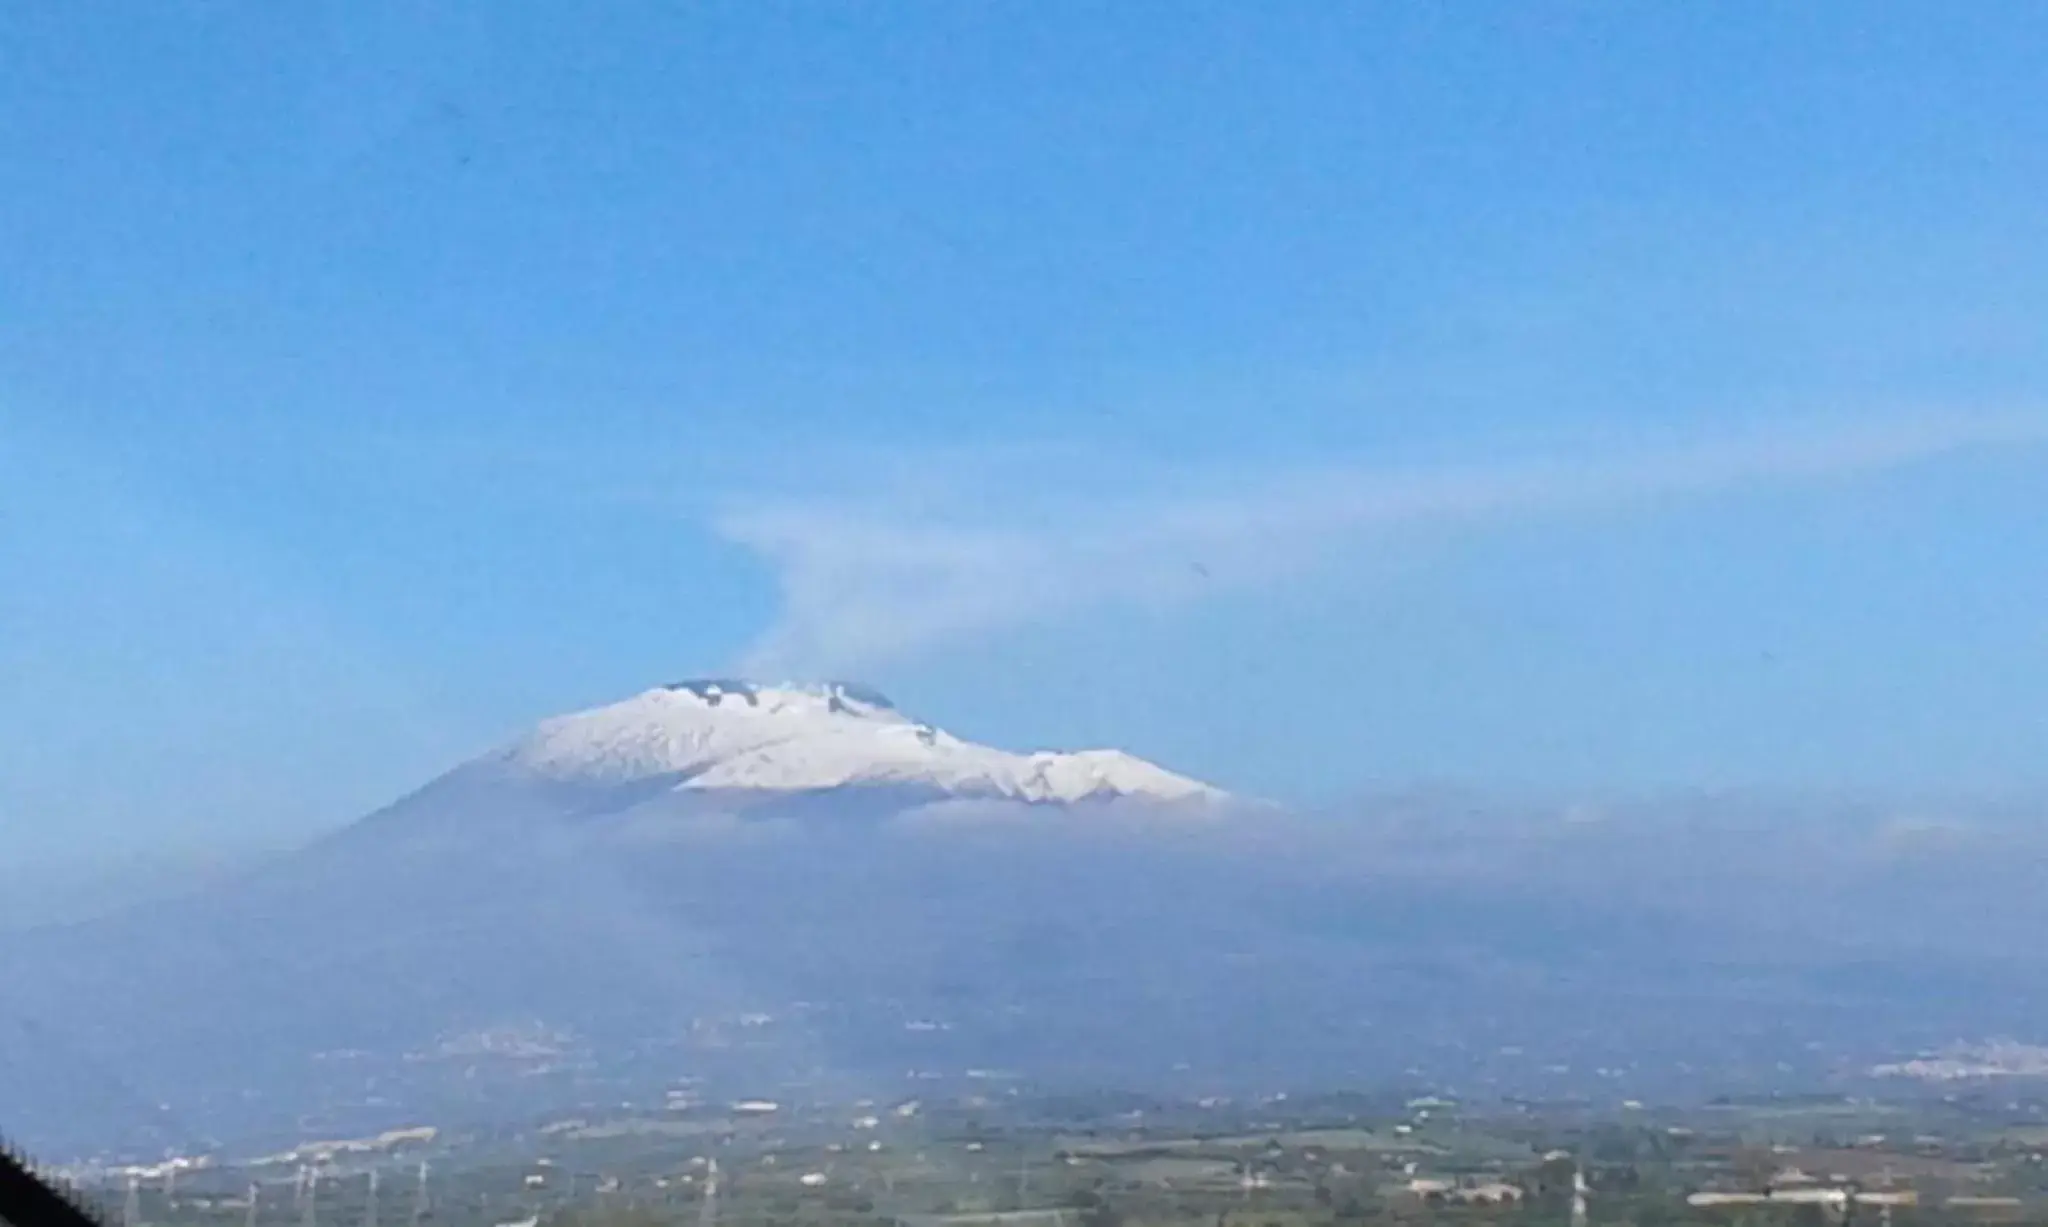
(869, 581)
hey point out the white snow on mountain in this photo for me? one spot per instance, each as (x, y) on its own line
(709, 735)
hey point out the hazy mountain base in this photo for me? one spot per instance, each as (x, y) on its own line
(45, 892)
(843, 939)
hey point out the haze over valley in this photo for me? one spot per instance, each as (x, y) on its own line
(777, 886)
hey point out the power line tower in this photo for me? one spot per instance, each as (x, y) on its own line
(419, 1196)
(708, 1217)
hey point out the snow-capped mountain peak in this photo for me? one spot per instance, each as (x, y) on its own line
(722, 734)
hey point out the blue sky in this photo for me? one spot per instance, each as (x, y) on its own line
(1313, 397)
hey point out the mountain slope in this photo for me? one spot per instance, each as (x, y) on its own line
(613, 893)
(564, 881)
